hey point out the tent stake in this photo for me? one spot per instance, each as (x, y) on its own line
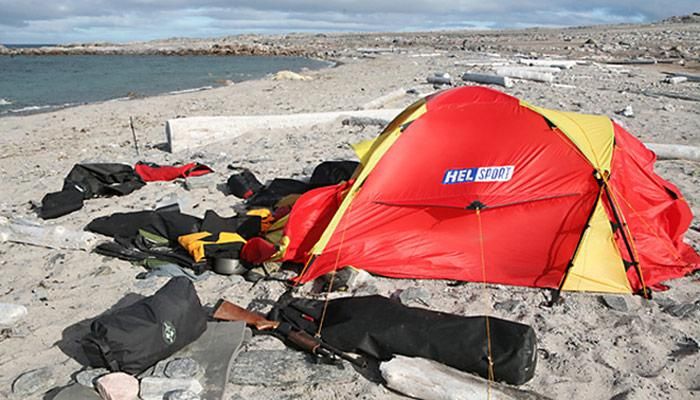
(133, 133)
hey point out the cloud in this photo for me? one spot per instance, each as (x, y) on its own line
(32, 21)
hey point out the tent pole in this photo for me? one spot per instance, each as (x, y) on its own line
(634, 262)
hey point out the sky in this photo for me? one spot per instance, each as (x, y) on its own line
(70, 21)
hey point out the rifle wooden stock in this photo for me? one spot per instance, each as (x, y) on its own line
(228, 311)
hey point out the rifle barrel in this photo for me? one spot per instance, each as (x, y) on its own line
(228, 311)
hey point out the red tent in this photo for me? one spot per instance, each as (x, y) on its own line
(472, 184)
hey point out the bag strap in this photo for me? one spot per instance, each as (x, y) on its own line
(106, 353)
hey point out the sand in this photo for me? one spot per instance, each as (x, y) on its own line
(587, 350)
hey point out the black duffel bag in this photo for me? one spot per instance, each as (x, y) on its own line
(136, 337)
(378, 327)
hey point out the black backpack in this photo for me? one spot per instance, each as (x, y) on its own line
(136, 337)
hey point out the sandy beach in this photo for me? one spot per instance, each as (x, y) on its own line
(647, 349)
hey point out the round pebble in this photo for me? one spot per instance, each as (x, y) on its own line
(182, 368)
(181, 395)
(33, 381)
(88, 377)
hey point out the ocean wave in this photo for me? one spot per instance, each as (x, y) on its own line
(199, 89)
(118, 99)
(4, 102)
(32, 109)
(29, 108)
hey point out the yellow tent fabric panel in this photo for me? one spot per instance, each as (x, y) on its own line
(598, 266)
(371, 158)
(592, 134)
(362, 149)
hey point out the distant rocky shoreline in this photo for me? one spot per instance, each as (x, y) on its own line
(672, 40)
(150, 49)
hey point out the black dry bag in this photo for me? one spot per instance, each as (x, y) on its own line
(136, 337)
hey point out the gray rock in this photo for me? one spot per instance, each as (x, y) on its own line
(346, 279)
(11, 313)
(417, 294)
(507, 306)
(285, 368)
(158, 369)
(616, 303)
(626, 112)
(207, 181)
(88, 377)
(76, 391)
(364, 121)
(33, 381)
(40, 294)
(681, 310)
(685, 347)
(182, 368)
(182, 395)
(155, 388)
(368, 290)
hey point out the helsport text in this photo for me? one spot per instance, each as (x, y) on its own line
(480, 174)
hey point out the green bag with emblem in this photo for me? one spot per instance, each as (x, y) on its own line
(136, 337)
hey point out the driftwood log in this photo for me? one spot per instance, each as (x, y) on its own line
(381, 101)
(430, 380)
(488, 79)
(561, 64)
(525, 73)
(675, 151)
(188, 133)
(439, 80)
(692, 78)
(670, 95)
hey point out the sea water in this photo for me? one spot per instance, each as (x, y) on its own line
(42, 83)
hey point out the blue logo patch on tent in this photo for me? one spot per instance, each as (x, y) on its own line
(481, 174)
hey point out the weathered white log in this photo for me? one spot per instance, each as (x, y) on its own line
(425, 55)
(439, 80)
(188, 133)
(549, 70)
(561, 64)
(430, 380)
(49, 235)
(476, 63)
(671, 95)
(523, 73)
(380, 101)
(640, 61)
(674, 151)
(674, 80)
(364, 121)
(488, 79)
(375, 50)
(692, 78)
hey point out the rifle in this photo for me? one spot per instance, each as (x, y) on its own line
(227, 311)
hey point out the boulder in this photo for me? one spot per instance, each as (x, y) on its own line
(34, 381)
(290, 76)
(155, 388)
(118, 386)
